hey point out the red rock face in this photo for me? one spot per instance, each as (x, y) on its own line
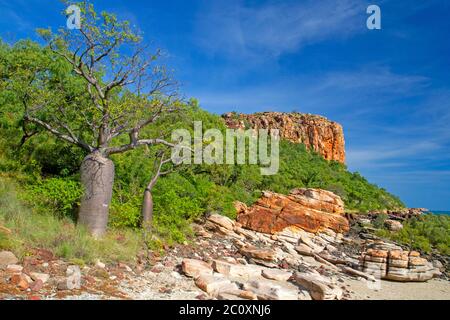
(312, 210)
(315, 132)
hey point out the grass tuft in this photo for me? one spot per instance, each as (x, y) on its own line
(34, 228)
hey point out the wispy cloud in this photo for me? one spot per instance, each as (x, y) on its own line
(391, 154)
(232, 28)
(333, 91)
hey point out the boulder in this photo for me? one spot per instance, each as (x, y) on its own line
(397, 265)
(258, 253)
(194, 268)
(305, 250)
(222, 221)
(319, 287)
(213, 284)
(7, 258)
(312, 210)
(393, 225)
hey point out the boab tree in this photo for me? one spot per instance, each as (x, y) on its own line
(161, 161)
(125, 92)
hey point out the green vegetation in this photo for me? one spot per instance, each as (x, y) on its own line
(36, 227)
(424, 233)
(40, 190)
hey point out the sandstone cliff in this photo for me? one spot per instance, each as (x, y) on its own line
(315, 132)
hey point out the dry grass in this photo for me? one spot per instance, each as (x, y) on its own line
(31, 228)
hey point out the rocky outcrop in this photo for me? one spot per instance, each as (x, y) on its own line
(315, 132)
(312, 210)
(400, 214)
(393, 225)
(397, 265)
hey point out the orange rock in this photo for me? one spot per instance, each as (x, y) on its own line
(262, 254)
(194, 268)
(377, 253)
(414, 254)
(315, 132)
(398, 255)
(20, 280)
(417, 261)
(312, 210)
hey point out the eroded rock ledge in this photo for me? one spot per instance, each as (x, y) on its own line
(312, 210)
(315, 132)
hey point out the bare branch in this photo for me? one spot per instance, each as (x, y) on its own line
(60, 135)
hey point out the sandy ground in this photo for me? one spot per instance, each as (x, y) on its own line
(435, 289)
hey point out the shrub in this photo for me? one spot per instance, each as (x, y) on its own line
(424, 233)
(33, 228)
(60, 194)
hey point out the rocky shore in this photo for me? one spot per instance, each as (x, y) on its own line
(294, 247)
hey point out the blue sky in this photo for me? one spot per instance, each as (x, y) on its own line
(389, 88)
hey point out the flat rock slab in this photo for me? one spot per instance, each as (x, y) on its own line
(248, 271)
(276, 274)
(318, 286)
(259, 254)
(194, 268)
(271, 290)
(215, 284)
(222, 221)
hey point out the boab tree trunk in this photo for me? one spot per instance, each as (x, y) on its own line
(147, 209)
(97, 178)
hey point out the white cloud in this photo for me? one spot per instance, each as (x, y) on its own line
(232, 28)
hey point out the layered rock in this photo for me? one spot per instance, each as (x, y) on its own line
(315, 132)
(312, 210)
(397, 265)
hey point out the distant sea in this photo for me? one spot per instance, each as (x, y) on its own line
(440, 212)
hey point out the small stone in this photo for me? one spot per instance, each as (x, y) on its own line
(40, 276)
(275, 274)
(72, 280)
(438, 265)
(126, 267)
(100, 264)
(36, 285)
(414, 254)
(14, 268)
(20, 281)
(7, 258)
(157, 268)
